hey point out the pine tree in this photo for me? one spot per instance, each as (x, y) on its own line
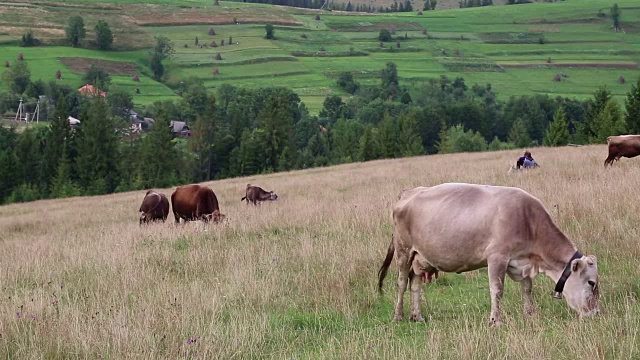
(518, 135)
(594, 108)
(410, 143)
(609, 122)
(98, 150)
(558, 132)
(632, 105)
(276, 118)
(158, 156)
(444, 145)
(62, 186)
(55, 141)
(202, 141)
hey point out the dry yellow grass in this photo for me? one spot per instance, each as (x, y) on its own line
(296, 278)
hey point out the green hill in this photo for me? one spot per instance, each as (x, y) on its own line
(518, 49)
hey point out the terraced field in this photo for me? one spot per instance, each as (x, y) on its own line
(519, 49)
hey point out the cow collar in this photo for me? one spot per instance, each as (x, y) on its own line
(565, 275)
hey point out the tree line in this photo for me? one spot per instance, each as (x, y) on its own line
(402, 6)
(239, 132)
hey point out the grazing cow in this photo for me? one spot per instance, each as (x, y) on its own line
(155, 207)
(463, 227)
(195, 202)
(622, 146)
(256, 193)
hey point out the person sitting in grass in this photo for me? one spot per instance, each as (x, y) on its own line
(526, 161)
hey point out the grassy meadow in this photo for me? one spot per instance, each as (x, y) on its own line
(297, 278)
(500, 45)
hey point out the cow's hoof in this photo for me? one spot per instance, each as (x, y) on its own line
(495, 322)
(397, 318)
(417, 318)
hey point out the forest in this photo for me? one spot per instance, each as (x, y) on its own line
(240, 132)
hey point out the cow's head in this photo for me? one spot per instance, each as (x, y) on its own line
(582, 287)
(273, 196)
(143, 217)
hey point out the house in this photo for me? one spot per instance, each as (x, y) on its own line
(180, 129)
(147, 123)
(90, 90)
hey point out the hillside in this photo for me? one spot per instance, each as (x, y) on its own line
(507, 46)
(296, 277)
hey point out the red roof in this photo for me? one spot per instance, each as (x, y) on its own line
(91, 90)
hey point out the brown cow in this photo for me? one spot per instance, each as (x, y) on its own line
(622, 146)
(195, 202)
(256, 193)
(463, 227)
(155, 207)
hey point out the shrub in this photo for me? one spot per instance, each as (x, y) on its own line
(218, 56)
(398, 44)
(424, 32)
(222, 42)
(136, 78)
(20, 57)
(557, 78)
(216, 72)
(137, 90)
(621, 79)
(269, 32)
(541, 40)
(29, 40)
(381, 44)
(212, 32)
(457, 52)
(317, 17)
(213, 44)
(304, 36)
(548, 60)
(58, 75)
(230, 41)
(6, 63)
(322, 48)
(419, 12)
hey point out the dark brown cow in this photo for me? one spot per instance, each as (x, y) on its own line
(195, 202)
(155, 207)
(622, 146)
(256, 193)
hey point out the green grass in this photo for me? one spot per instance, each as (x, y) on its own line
(485, 38)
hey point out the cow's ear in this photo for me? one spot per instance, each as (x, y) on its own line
(577, 265)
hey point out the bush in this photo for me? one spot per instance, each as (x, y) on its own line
(425, 32)
(222, 42)
(398, 44)
(28, 40)
(322, 48)
(20, 57)
(218, 56)
(213, 44)
(216, 72)
(548, 60)
(455, 140)
(58, 75)
(136, 78)
(621, 80)
(304, 36)
(24, 193)
(212, 32)
(381, 44)
(384, 35)
(419, 12)
(269, 32)
(317, 17)
(557, 78)
(6, 63)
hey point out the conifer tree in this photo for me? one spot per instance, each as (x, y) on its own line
(558, 132)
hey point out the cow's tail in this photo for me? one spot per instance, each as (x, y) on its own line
(382, 273)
